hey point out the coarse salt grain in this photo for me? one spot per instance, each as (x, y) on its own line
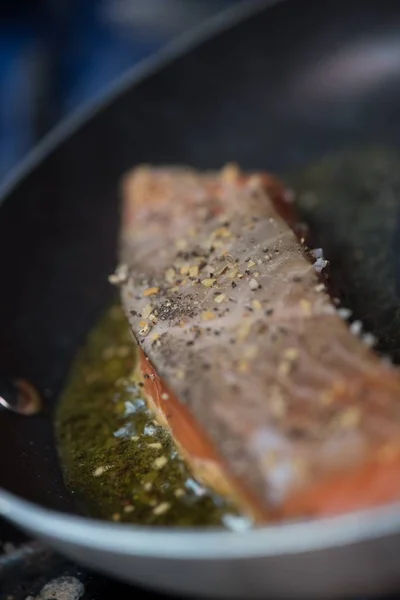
(320, 265)
(345, 313)
(100, 470)
(356, 327)
(369, 340)
(253, 284)
(317, 253)
(119, 276)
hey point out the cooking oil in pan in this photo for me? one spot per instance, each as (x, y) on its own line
(120, 464)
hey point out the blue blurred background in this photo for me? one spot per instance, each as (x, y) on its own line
(58, 54)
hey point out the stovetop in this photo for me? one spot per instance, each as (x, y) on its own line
(31, 572)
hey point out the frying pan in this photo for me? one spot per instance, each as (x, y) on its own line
(269, 85)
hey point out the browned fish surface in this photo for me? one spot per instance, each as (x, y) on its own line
(266, 391)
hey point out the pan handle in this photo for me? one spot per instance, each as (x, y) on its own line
(19, 396)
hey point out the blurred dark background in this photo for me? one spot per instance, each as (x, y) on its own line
(56, 55)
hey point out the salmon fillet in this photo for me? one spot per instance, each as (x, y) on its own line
(269, 396)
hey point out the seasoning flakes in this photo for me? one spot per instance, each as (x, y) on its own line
(160, 462)
(208, 282)
(152, 291)
(146, 312)
(208, 315)
(143, 331)
(181, 244)
(284, 368)
(222, 232)
(243, 330)
(194, 271)
(220, 298)
(291, 354)
(243, 366)
(184, 270)
(170, 275)
(305, 305)
(162, 508)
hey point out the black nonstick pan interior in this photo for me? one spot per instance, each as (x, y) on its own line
(277, 90)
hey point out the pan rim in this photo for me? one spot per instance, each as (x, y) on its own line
(201, 544)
